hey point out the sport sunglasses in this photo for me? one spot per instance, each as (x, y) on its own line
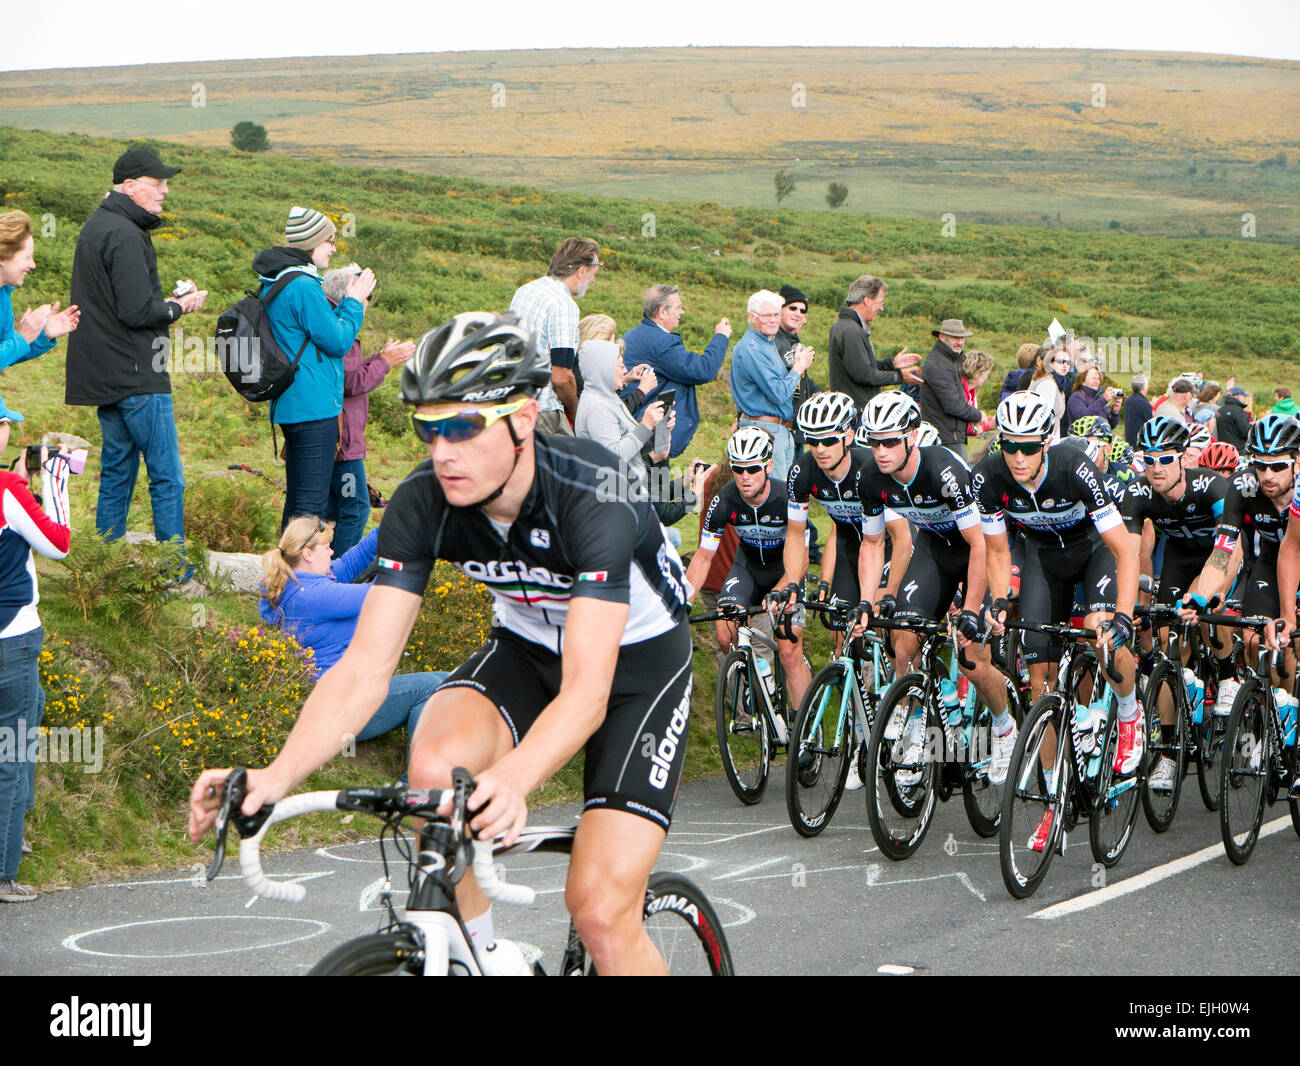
(1023, 447)
(887, 442)
(1162, 460)
(747, 469)
(455, 427)
(1275, 467)
(824, 442)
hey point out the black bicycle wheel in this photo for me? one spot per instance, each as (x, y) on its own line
(1115, 801)
(1209, 757)
(375, 955)
(904, 757)
(742, 731)
(685, 928)
(982, 798)
(1244, 772)
(818, 763)
(1164, 741)
(1027, 801)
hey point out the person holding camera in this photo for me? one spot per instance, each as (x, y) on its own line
(1088, 398)
(302, 318)
(25, 526)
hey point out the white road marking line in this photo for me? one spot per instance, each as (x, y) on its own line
(71, 942)
(1148, 878)
(752, 868)
(873, 875)
(189, 880)
(894, 970)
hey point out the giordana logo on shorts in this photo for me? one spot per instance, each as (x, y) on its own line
(661, 761)
(102, 1019)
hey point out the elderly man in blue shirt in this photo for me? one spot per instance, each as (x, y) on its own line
(761, 383)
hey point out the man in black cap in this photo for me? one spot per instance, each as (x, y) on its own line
(794, 315)
(117, 359)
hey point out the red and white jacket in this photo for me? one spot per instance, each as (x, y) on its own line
(26, 527)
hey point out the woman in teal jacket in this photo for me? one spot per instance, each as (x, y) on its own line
(301, 318)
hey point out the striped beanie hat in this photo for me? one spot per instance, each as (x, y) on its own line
(307, 228)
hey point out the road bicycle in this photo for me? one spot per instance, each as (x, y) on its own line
(751, 708)
(834, 722)
(1063, 769)
(928, 742)
(1260, 760)
(429, 939)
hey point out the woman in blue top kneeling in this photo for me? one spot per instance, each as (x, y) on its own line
(308, 593)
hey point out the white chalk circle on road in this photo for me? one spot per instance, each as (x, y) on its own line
(253, 935)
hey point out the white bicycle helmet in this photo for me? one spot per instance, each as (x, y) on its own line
(826, 413)
(750, 446)
(890, 414)
(1025, 414)
(929, 437)
(1200, 437)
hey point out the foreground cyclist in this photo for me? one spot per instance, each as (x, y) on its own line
(1074, 534)
(590, 644)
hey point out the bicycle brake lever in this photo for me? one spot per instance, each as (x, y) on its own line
(232, 795)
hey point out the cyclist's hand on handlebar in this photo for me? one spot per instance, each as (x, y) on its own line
(1278, 635)
(887, 605)
(966, 627)
(1117, 633)
(1190, 607)
(497, 805)
(205, 797)
(995, 616)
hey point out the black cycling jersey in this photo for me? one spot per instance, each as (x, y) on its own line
(759, 527)
(1190, 520)
(1070, 503)
(938, 499)
(1252, 518)
(576, 535)
(842, 499)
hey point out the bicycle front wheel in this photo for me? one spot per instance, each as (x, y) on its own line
(903, 758)
(1033, 811)
(1115, 802)
(685, 929)
(1164, 741)
(375, 955)
(818, 764)
(1244, 772)
(742, 731)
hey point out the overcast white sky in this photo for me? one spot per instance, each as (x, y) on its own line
(79, 33)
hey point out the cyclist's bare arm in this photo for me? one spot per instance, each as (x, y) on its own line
(976, 569)
(593, 630)
(900, 536)
(1148, 546)
(871, 563)
(343, 701)
(997, 558)
(794, 555)
(1220, 569)
(698, 571)
(1288, 575)
(1124, 546)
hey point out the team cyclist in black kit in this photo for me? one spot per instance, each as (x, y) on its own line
(930, 487)
(590, 644)
(755, 507)
(1073, 533)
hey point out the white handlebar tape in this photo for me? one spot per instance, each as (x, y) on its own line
(493, 887)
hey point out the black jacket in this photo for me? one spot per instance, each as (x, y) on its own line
(854, 368)
(943, 400)
(1137, 413)
(1234, 423)
(113, 352)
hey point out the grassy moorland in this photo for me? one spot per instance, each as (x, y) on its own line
(177, 684)
(1155, 143)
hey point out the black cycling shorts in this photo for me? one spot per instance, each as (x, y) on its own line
(1047, 589)
(634, 759)
(1179, 569)
(933, 576)
(1258, 589)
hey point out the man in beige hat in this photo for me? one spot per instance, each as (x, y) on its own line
(943, 401)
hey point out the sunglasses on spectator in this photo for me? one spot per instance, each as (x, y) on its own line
(797, 309)
(887, 442)
(1023, 447)
(746, 469)
(1277, 466)
(1061, 362)
(456, 427)
(1163, 460)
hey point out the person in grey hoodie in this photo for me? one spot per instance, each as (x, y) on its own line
(603, 417)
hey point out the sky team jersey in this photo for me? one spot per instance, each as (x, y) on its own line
(575, 536)
(938, 499)
(1069, 504)
(760, 528)
(842, 500)
(1190, 520)
(1249, 514)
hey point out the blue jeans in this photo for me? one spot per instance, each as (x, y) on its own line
(309, 449)
(20, 701)
(407, 695)
(133, 427)
(783, 439)
(349, 504)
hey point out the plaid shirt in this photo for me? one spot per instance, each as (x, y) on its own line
(547, 310)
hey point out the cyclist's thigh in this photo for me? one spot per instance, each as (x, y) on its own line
(1260, 596)
(844, 582)
(1098, 580)
(740, 588)
(929, 584)
(613, 854)
(1179, 570)
(1045, 597)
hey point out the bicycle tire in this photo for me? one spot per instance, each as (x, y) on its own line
(1209, 758)
(1244, 773)
(1170, 741)
(1027, 801)
(1111, 821)
(981, 798)
(814, 774)
(679, 917)
(743, 745)
(900, 815)
(392, 954)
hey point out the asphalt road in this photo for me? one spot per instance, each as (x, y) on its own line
(832, 904)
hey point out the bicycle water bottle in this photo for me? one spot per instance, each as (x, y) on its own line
(1286, 710)
(949, 701)
(1081, 727)
(765, 672)
(1195, 693)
